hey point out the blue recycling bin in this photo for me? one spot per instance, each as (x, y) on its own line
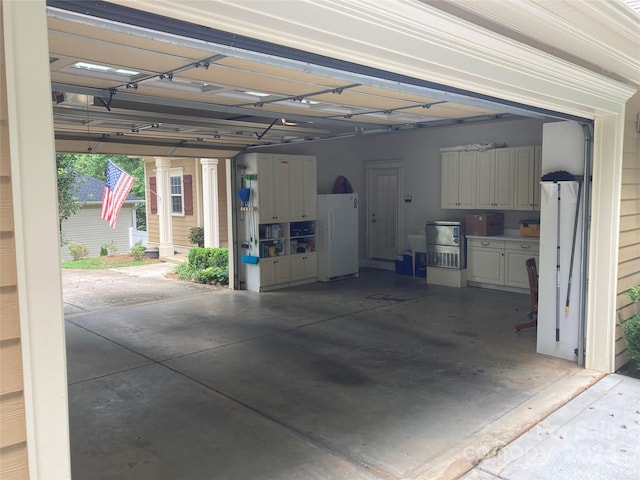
(404, 264)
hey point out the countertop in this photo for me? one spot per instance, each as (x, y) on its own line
(507, 238)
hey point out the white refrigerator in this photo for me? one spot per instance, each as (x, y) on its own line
(337, 236)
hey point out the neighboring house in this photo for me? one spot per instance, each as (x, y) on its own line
(87, 227)
(197, 197)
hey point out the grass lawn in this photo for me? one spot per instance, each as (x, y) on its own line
(110, 261)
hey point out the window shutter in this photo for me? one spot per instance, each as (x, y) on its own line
(188, 194)
(153, 195)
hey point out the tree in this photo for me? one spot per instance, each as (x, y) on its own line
(68, 203)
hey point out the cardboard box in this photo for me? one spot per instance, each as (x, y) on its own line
(485, 224)
(530, 228)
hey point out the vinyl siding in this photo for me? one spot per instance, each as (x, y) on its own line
(629, 248)
(13, 439)
(182, 225)
(86, 227)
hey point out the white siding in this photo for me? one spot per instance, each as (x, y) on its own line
(88, 228)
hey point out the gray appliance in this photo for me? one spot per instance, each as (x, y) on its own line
(446, 244)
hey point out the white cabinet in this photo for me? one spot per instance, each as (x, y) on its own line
(458, 180)
(304, 266)
(537, 174)
(273, 187)
(516, 256)
(303, 188)
(495, 179)
(274, 271)
(278, 226)
(500, 263)
(527, 178)
(485, 261)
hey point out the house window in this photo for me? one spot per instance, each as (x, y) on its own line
(177, 192)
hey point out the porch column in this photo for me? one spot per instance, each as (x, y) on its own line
(163, 187)
(210, 202)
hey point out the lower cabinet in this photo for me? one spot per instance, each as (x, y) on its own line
(516, 255)
(304, 266)
(485, 261)
(274, 271)
(283, 271)
(500, 263)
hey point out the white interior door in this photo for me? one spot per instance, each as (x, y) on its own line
(383, 219)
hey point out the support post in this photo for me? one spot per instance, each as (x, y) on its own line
(210, 202)
(163, 186)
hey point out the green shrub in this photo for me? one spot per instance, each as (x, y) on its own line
(137, 251)
(185, 271)
(212, 275)
(78, 250)
(110, 248)
(631, 328)
(202, 258)
(196, 236)
(206, 265)
(103, 251)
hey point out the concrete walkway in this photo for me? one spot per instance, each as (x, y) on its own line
(381, 377)
(593, 437)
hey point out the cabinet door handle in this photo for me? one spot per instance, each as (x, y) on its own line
(525, 246)
(485, 244)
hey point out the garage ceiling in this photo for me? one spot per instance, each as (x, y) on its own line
(118, 88)
(131, 82)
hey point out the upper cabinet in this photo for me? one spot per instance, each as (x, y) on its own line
(527, 183)
(303, 178)
(495, 179)
(458, 180)
(273, 181)
(286, 186)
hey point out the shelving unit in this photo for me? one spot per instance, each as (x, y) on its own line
(282, 215)
(302, 237)
(273, 241)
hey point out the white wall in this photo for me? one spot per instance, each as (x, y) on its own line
(419, 152)
(86, 227)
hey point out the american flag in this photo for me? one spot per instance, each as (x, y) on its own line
(116, 189)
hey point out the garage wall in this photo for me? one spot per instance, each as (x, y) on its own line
(419, 152)
(87, 227)
(13, 437)
(629, 251)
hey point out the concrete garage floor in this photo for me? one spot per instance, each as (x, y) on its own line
(376, 377)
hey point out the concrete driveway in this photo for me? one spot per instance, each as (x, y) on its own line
(376, 377)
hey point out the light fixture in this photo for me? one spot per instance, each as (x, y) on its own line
(93, 67)
(72, 99)
(257, 94)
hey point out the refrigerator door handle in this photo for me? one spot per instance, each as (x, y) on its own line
(332, 225)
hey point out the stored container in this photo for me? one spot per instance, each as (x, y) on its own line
(485, 224)
(530, 228)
